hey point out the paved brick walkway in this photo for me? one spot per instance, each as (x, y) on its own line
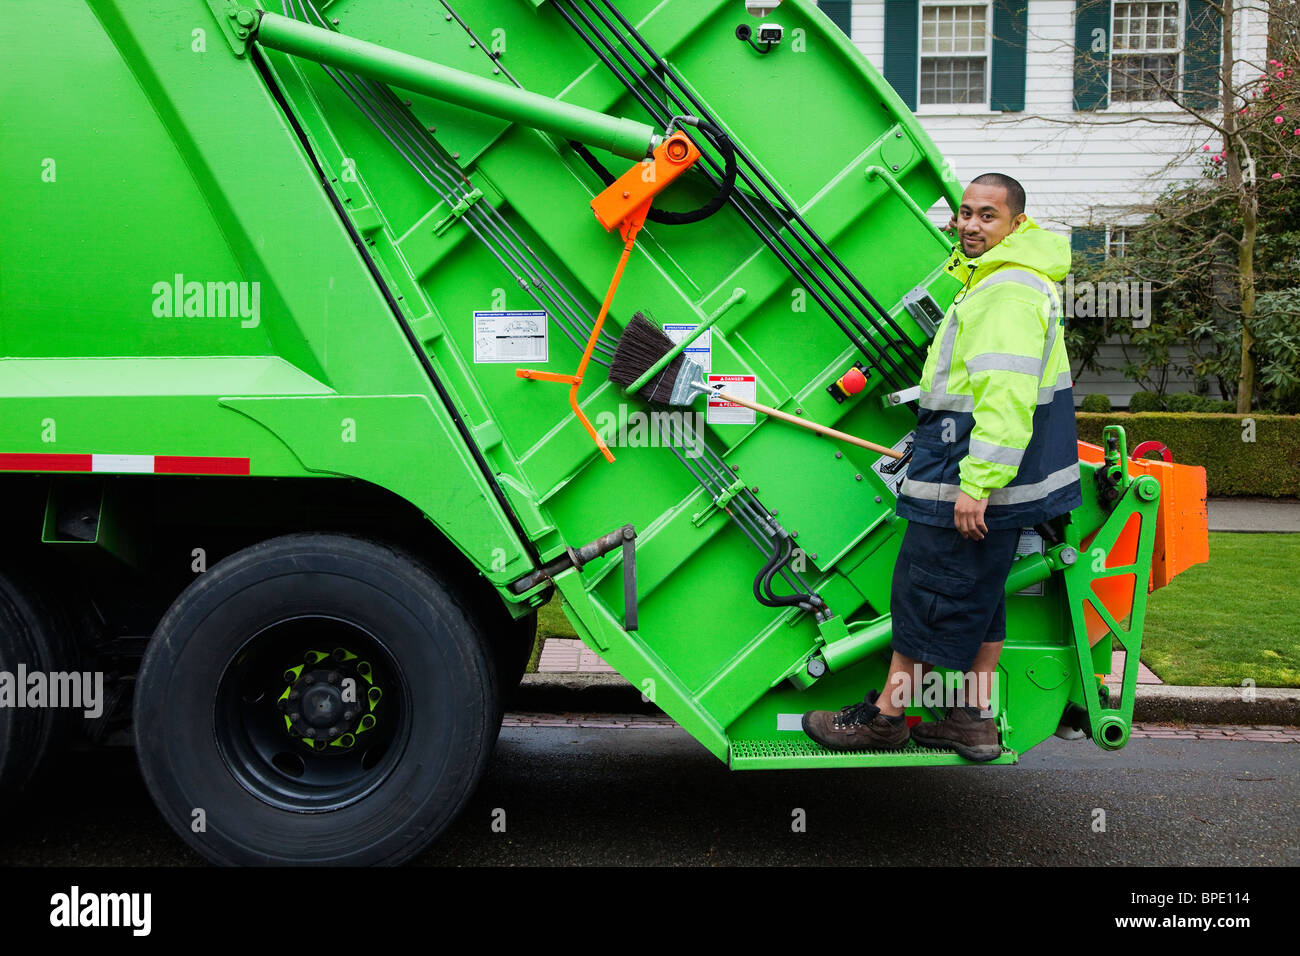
(1152, 731)
(1145, 674)
(562, 655)
(608, 721)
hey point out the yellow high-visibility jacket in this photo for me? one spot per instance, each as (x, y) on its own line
(997, 404)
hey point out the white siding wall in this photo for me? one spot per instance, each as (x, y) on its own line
(1077, 167)
(869, 30)
(1112, 383)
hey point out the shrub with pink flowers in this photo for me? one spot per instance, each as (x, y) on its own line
(1189, 247)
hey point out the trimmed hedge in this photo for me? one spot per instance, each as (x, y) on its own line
(1269, 466)
(1145, 402)
(1094, 403)
(1177, 402)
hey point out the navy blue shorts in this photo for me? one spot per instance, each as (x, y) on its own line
(949, 593)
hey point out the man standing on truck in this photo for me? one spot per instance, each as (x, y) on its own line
(995, 451)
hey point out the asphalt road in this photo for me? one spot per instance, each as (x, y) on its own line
(653, 796)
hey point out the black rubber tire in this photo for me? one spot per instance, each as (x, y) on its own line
(444, 676)
(35, 634)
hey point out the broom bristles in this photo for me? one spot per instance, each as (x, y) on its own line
(644, 343)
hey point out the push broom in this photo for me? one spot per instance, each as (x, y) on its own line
(681, 380)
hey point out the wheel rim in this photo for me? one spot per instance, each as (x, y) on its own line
(285, 725)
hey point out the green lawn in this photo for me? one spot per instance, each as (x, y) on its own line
(1236, 617)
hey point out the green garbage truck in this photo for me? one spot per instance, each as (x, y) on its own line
(306, 326)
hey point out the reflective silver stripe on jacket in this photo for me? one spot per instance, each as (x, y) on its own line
(944, 364)
(998, 454)
(1012, 495)
(1047, 394)
(1005, 362)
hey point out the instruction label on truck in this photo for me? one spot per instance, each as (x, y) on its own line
(892, 471)
(700, 351)
(1031, 542)
(510, 337)
(723, 412)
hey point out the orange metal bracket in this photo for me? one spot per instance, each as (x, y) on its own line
(625, 203)
(1182, 523)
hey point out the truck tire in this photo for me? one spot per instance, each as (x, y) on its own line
(248, 738)
(35, 635)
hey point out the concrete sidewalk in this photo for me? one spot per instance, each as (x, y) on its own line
(1254, 514)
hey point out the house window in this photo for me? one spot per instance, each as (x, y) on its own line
(1117, 243)
(1144, 51)
(954, 53)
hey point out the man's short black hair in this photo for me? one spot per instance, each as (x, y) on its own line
(1015, 191)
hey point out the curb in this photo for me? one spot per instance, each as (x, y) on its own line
(578, 694)
(1163, 703)
(1155, 703)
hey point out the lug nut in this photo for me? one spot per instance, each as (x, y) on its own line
(309, 679)
(349, 714)
(295, 717)
(293, 695)
(334, 677)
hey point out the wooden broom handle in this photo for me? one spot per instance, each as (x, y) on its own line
(804, 423)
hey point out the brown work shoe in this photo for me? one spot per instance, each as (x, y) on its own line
(975, 738)
(855, 727)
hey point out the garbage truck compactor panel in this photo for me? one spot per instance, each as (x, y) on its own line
(307, 319)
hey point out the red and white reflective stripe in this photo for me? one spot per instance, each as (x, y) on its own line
(127, 464)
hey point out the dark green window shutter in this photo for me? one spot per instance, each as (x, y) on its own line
(902, 41)
(1203, 35)
(1088, 246)
(1092, 54)
(840, 13)
(1010, 32)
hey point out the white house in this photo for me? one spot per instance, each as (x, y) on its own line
(1067, 96)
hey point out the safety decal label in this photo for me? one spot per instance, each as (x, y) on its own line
(510, 336)
(126, 464)
(700, 351)
(723, 412)
(892, 471)
(1031, 542)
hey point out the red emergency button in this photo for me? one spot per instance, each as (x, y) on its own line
(853, 381)
(850, 383)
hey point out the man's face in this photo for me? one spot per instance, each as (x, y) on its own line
(984, 219)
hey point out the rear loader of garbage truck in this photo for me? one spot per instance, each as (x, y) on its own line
(306, 326)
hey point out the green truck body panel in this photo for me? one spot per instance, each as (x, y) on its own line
(212, 252)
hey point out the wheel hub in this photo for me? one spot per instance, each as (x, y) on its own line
(331, 699)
